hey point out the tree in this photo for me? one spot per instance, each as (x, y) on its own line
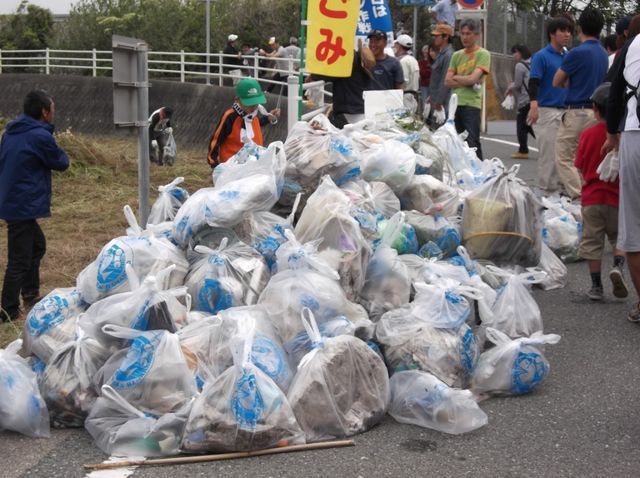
(29, 28)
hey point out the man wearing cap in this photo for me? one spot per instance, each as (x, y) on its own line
(279, 54)
(466, 73)
(440, 94)
(235, 61)
(410, 68)
(387, 72)
(241, 123)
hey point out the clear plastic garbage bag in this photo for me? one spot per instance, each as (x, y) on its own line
(315, 149)
(253, 186)
(442, 231)
(427, 194)
(512, 367)
(242, 409)
(419, 398)
(327, 216)
(121, 429)
(561, 232)
(515, 311)
(142, 250)
(147, 307)
(557, 273)
(170, 198)
(51, 323)
(294, 255)
(341, 388)
(67, 381)
(22, 408)
(302, 344)
(229, 276)
(392, 162)
(399, 234)
(151, 374)
(501, 221)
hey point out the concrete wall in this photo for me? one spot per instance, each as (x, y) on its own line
(85, 105)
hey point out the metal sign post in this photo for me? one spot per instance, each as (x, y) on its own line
(131, 106)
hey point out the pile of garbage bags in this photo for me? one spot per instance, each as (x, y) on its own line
(314, 287)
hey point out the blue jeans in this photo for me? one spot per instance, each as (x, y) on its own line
(468, 119)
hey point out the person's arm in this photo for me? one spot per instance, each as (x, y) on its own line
(223, 130)
(518, 77)
(616, 101)
(483, 66)
(52, 155)
(561, 79)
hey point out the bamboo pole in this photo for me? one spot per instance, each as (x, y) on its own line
(182, 460)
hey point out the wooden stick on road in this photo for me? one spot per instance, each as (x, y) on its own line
(181, 460)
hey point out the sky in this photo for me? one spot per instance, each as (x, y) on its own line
(56, 6)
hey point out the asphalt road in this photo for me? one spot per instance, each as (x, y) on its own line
(582, 421)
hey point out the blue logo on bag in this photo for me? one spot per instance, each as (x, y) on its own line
(469, 352)
(180, 194)
(340, 146)
(353, 173)
(452, 297)
(140, 322)
(246, 402)
(432, 396)
(529, 369)
(309, 301)
(213, 297)
(216, 260)
(111, 268)
(137, 362)
(46, 314)
(268, 357)
(228, 195)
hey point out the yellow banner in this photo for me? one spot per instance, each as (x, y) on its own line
(331, 34)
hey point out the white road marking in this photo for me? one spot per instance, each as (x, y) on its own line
(116, 472)
(510, 143)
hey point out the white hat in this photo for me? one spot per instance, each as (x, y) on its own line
(404, 40)
(272, 40)
(232, 37)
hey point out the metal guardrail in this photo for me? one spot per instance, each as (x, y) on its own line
(182, 66)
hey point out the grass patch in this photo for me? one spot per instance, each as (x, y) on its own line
(87, 204)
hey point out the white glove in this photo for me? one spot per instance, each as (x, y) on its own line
(426, 110)
(439, 117)
(508, 102)
(609, 167)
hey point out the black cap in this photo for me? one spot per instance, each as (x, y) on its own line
(601, 94)
(377, 34)
(622, 25)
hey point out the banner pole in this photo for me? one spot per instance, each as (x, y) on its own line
(303, 48)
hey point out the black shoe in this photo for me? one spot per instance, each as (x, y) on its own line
(30, 301)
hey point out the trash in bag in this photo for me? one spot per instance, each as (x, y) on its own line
(121, 429)
(515, 311)
(293, 255)
(301, 345)
(253, 186)
(419, 398)
(316, 149)
(363, 208)
(265, 231)
(501, 222)
(51, 322)
(392, 162)
(242, 409)
(557, 273)
(399, 234)
(144, 252)
(327, 216)
(341, 388)
(170, 198)
(151, 374)
(169, 151)
(443, 232)
(22, 408)
(387, 284)
(67, 382)
(229, 276)
(146, 307)
(427, 194)
(512, 367)
(248, 152)
(408, 343)
(561, 232)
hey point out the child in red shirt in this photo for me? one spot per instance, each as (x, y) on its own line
(599, 203)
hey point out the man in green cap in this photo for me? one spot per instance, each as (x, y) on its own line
(241, 124)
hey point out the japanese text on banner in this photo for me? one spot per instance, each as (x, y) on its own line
(374, 15)
(331, 36)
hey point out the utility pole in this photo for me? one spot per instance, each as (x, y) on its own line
(208, 33)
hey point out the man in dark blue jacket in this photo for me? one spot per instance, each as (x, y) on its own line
(28, 153)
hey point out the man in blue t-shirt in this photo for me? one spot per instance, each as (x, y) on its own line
(387, 73)
(582, 70)
(547, 102)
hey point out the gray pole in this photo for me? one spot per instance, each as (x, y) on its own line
(208, 33)
(143, 138)
(415, 32)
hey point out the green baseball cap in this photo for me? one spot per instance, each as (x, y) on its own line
(249, 92)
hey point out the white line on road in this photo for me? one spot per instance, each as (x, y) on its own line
(510, 143)
(115, 472)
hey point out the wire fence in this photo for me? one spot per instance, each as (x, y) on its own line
(507, 26)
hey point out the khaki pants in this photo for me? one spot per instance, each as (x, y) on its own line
(574, 122)
(545, 129)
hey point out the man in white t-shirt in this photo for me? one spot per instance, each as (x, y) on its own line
(402, 49)
(623, 134)
(279, 54)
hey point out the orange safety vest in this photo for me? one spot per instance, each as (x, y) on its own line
(226, 142)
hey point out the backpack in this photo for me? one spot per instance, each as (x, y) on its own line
(526, 84)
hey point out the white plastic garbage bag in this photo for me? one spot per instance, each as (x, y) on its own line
(121, 429)
(557, 273)
(512, 367)
(22, 408)
(341, 388)
(508, 103)
(419, 398)
(170, 198)
(393, 163)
